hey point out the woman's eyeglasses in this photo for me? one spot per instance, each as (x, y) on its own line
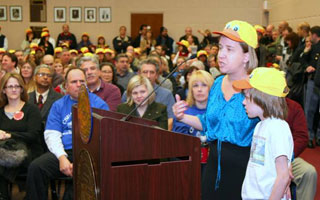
(11, 87)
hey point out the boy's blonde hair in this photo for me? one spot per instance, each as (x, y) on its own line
(272, 106)
(199, 75)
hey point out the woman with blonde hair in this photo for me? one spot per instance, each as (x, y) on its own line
(200, 83)
(20, 130)
(138, 89)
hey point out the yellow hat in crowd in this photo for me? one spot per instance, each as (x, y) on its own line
(108, 51)
(33, 45)
(99, 50)
(11, 51)
(88, 54)
(73, 51)
(57, 50)
(267, 80)
(2, 50)
(184, 43)
(84, 50)
(137, 51)
(202, 52)
(65, 44)
(276, 66)
(259, 29)
(85, 34)
(28, 30)
(45, 30)
(45, 34)
(240, 31)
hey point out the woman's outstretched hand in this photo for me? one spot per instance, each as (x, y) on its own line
(179, 107)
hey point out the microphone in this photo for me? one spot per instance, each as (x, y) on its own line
(127, 117)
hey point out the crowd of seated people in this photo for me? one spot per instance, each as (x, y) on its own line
(48, 73)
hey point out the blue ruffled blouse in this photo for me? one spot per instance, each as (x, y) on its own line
(227, 121)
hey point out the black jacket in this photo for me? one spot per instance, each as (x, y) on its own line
(155, 111)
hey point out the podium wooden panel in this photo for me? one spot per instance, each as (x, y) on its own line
(133, 160)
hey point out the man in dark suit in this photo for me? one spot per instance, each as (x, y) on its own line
(44, 96)
(121, 42)
(141, 36)
(67, 37)
(188, 32)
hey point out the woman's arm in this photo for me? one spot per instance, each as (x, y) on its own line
(282, 179)
(192, 121)
(179, 108)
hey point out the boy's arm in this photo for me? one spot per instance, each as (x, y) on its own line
(282, 179)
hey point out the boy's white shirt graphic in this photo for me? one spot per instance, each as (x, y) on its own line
(272, 138)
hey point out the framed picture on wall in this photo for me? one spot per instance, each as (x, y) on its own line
(3, 13)
(75, 14)
(105, 14)
(90, 14)
(59, 14)
(15, 13)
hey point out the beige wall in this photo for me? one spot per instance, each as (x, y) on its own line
(178, 14)
(295, 12)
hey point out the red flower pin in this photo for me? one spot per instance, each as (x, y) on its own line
(18, 115)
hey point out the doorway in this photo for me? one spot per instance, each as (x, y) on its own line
(154, 20)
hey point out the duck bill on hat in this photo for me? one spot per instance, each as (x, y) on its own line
(242, 84)
(233, 35)
(179, 43)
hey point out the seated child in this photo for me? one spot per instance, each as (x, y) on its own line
(267, 174)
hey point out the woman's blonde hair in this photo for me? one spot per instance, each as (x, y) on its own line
(253, 60)
(199, 75)
(3, 83)
(136, 81)
(164, 61)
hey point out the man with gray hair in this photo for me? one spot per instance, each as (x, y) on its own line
(150, 68)
(106, 91)
(43, 96)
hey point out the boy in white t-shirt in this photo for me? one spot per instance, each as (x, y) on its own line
(267, 174)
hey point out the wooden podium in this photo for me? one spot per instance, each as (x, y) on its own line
(131, 160)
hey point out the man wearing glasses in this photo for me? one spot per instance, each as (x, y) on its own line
(44, 96)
